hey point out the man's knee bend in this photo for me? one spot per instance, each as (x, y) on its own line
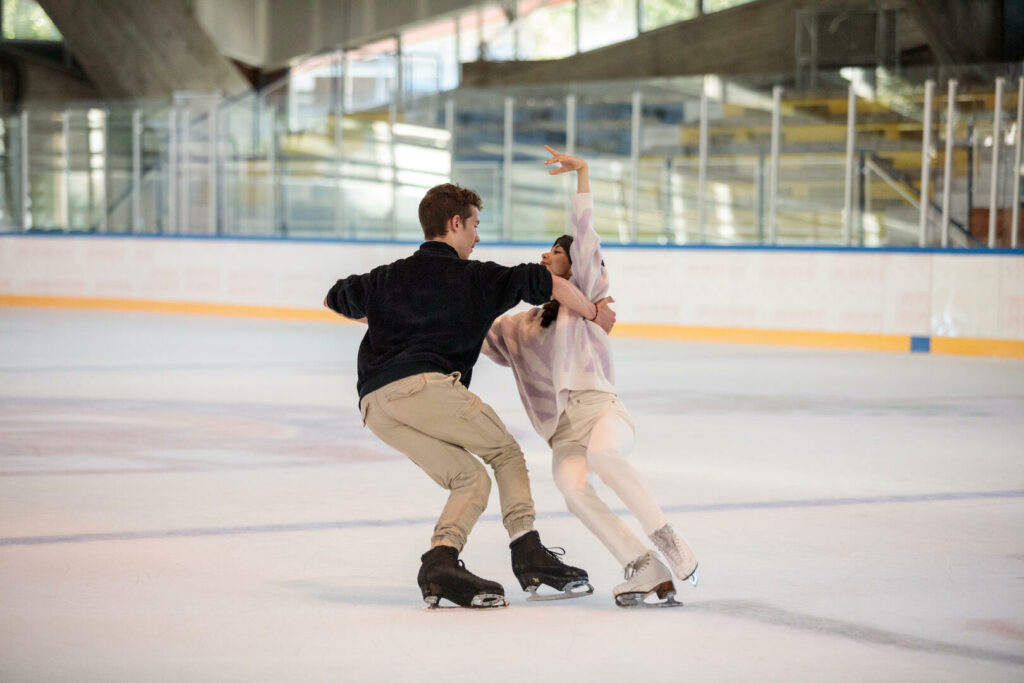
(475, 480)
(509, 454)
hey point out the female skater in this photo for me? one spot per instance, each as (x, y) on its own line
(563, 368)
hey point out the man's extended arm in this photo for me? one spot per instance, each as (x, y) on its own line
(346, 297)
(565, 293)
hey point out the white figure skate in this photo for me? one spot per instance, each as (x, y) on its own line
(678, 553)
(646, 576)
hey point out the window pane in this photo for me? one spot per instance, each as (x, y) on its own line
(371, 75)
(658, 13)
(497, 35)
(26, 20)
(603, 22)
(718, 5)
(547, 29)
(469, 36)
(428, 58)
(313, 92)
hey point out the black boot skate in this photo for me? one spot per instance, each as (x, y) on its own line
(534, 566)
(443, 575)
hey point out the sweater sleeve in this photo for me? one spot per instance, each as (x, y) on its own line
(494, 346)
(349, 297)
(505, 287)
(587, 271)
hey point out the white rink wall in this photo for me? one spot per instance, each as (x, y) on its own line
(923, 294)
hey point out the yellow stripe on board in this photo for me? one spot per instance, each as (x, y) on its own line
(180, 307)
(740, 335)
(1002, 348)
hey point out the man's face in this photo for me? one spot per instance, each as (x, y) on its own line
(465, 234)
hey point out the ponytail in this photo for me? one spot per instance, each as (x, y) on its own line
(551, 308)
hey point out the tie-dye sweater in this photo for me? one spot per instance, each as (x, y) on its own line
(572, 353)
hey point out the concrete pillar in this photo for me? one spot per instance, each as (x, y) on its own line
(133, 49)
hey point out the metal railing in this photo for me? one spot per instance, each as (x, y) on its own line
(700, 160)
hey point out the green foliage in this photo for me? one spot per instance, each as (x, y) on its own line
(26, 20)
(718, 5)
(658, 13)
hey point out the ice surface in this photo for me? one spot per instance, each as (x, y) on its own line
(194, 499)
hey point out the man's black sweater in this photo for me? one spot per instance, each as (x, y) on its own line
(431, 311)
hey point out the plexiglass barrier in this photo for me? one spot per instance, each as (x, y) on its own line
(867, 158)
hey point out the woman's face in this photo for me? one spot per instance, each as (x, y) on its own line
(557, 262)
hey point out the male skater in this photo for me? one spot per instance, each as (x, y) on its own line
(428, 315)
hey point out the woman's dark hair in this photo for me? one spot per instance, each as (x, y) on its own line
(551, 307)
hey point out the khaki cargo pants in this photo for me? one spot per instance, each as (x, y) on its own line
(438, 423)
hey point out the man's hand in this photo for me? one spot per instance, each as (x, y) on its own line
(605, 315)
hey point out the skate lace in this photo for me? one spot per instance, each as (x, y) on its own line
(555, 552)
(636, 565)
(669, 544)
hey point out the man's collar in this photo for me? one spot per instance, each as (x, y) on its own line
(439, 248)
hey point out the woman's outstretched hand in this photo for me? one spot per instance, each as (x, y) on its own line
(568, 163)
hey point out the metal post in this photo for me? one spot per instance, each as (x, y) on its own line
(851, 136)
(506, 181)
(272, 169)
(972, 154)
(65, 179)
(926, 163)
(172, 171)
(399, 93)
(347, 90)
(570, 125)
(634, 165)
(947, 173)
(393, 157)
(666, 200)
(1015, 218)
(866, 184)
(759, 175)
(26, 198)
(185, 189)
(993, 190)
(106, 169)
(773, 181)
(137, 223)
(339, 189)
(570, 149)
(702, 165)
(212, 164)
(449, 125)
(862, 198)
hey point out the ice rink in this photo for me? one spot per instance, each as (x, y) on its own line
(194, 499)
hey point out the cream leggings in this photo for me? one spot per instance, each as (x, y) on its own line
(595, 433)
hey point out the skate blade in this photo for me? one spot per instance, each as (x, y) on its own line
(484, 601)
(576, 589)
(694, 578)
(665, 592)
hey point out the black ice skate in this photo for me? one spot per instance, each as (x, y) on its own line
(534, 566)
(443, 575)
